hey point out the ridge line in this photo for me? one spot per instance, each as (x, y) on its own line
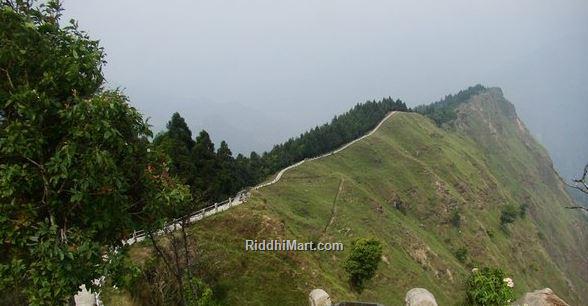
(279, 175)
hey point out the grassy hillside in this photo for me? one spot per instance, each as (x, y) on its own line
(406, 185)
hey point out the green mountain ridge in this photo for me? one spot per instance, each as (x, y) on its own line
(427, 193)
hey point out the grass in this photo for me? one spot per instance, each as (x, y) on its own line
(434, 172)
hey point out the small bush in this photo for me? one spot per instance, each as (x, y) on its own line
(490, 233)
(489, 287)
(401, 206)
(456, 219)
(509, 214)
(202, 295)
(523, 210)
(461, 254)
(540, 235)
(363, 261)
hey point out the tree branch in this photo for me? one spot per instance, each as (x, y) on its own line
(8, 77)
(581, 183)
(577, 207)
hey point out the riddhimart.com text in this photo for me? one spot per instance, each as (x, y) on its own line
(292, 245)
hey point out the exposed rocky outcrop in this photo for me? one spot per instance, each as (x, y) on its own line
(543, 297)
(318, 297)
(420, 297)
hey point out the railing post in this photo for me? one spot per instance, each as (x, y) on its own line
(215, 208)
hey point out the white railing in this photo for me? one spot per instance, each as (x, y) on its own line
(176, 223)
(240, 198)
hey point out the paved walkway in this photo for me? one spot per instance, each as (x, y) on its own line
(279, 175)
(86, 298)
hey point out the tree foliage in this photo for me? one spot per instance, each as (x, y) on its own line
(489, 287)
(329, 136)
(217, 175)
(211, 174)
(77, 172)
(76, 175)
(443, 111)
(178, 143)
(362, 263)
(509, 214)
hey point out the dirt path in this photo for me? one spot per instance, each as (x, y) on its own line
(334, 208)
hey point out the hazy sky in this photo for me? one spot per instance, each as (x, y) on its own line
(257, 72)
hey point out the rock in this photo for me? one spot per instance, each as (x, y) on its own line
(318, 297)
(543, 297)
(419, 297)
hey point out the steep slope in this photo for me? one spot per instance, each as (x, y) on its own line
(427, 193)
(525, 169)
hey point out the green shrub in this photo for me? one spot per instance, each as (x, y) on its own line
(490, 233)
(456, 219)
(540, 235)
(523, 210)
(461, 254)
(489, 287)
(509, 214)
(202, 295)
(401, 206)
(363, 261)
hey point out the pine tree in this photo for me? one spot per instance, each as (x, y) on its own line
(179, 130)
(205, 162)
(177, 143)
(226, 178)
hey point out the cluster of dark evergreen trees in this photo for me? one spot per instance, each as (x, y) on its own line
(215, 175)
(443, 111)
(329, 136)
(210, 173)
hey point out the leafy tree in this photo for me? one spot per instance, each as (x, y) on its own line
(172, 205)
(363, 261)
(76, 174)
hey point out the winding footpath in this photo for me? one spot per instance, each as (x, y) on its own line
(279, 175)
(87, 298)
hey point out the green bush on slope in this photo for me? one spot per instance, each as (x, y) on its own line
(362, 263)
(489, 287)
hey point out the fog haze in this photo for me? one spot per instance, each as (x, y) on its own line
(257, 72)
